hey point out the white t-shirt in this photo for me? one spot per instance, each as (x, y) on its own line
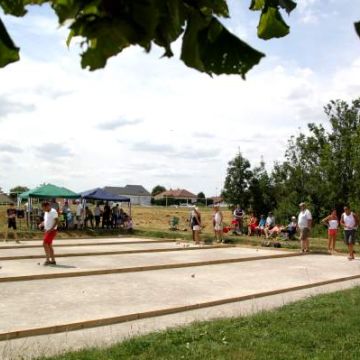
(270, 221)
(303, 218)
(349, 221)
(49, 219)
(79, 210)
(218, 218)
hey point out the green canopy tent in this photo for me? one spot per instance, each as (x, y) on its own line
(47, 191)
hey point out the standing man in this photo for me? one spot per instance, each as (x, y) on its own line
(350, 221)
(50, 223)
(106, 216)
(65, 210)
(79, 214)
(11, 222)
(304, 225)
(97, 213)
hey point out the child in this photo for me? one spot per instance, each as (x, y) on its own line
(11, 219)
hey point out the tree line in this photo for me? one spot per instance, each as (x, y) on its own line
(321, 167)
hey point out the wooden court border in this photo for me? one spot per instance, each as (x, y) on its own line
(50, 330)
(73, 274)
(87, 244)
(40, 256)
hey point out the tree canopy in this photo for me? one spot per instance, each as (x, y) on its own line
(321, 167)
(158, 189)
(15, 191)
(107, 27)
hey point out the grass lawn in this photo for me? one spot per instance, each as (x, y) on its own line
(322, 327)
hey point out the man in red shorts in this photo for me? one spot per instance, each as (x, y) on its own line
(50, 223)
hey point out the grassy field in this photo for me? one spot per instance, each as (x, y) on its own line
(154, 222)
(324, 327)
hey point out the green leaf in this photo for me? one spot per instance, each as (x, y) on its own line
(357, 28)
(271, 24)
(288, 5)
(105, 39)
(190, 52)
(13, 7)
(208, 7)
(257, 5)
(170, 26)
(69, 38)
(66, 9)
(209, 47)
(8, 51)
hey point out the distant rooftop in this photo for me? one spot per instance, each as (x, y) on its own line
(131, 190)
(178, 193)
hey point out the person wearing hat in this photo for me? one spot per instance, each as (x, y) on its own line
(304, 225)
(290, 230)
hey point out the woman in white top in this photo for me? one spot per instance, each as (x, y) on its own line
(218, 224)
(196, 224)
(332, 223)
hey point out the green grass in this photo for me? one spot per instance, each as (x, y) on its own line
(322, 327)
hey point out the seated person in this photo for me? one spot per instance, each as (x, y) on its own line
(260, 228)
(128, 223)
(269, 224)
(252, 224)
(275, 231)
(290, 230)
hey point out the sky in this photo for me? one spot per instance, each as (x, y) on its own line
(149, 121)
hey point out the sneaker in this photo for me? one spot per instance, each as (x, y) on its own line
(47, 263)
(53, 262)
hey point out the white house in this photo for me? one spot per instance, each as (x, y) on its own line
(137, 193)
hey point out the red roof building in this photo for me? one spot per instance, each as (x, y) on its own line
(179, 194)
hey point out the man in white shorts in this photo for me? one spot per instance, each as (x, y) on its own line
(304, 225)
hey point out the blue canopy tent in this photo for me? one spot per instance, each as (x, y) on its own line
(101, 194)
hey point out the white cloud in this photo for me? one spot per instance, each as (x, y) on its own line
(8, 148)
(191, 126)
(113, 125)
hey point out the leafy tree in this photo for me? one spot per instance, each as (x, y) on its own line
(237, 181)
(261, 192)
(323, 167)
(18, 189)
(201, 198)
(107, 27)
(158, 189)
